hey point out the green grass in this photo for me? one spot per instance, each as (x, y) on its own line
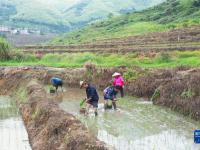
(163, 60)
(4, 49)
(21, 95)
(166, 16)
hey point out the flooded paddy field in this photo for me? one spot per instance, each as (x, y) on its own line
(13, 135)
(136, 125)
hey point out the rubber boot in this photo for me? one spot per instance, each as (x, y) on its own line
(114, 105)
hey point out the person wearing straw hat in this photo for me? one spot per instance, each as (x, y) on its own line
(119, 81)
(92, 96)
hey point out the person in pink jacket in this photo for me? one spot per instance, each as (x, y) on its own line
(119, 81)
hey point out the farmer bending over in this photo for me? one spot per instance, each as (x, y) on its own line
(110, 93)
(92, 96)
(56, 82)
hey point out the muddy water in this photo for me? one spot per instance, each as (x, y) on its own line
(13, 135)
(137, 124)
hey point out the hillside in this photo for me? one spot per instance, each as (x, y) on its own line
(65, 15)
(166, 16)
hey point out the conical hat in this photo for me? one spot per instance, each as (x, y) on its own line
(116, 74)
(81, 83)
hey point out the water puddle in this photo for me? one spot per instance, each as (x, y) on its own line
(137, 125)
(13, 135)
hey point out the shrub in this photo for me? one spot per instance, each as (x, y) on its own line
(171, 26)
(187, 94)
(187, 54)
(196, 3)
(90, 66)
(132, 55)
(164, 57)
(85, 58)
(175, 4)
(130, 75)
(19, 57)
(53, 58)
(4, 49)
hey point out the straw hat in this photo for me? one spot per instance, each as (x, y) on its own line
(81, 83)
(116, 74)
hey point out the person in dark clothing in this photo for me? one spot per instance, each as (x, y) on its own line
(92, 96)
(110, 93)
(57, 82)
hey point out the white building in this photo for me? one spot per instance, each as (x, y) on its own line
(24, 31)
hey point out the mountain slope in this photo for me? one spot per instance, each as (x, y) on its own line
(166, 16)
(41, 14)
(64, 15)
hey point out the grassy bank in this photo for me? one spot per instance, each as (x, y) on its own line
(160, 60)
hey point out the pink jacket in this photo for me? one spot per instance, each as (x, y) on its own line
(118, 81)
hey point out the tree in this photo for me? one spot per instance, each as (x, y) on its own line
(196, 3)
(110, 15)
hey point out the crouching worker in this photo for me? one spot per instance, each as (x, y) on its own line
(57, 82)
(92, 96)
(110, 93)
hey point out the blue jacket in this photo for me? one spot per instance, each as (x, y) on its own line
(56, 81)
(110, 93)
(92, 94)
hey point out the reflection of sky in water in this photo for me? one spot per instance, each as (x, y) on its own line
(138, 125)
(166, 140)
(13, 135)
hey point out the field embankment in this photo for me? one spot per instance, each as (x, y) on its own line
(177, 39)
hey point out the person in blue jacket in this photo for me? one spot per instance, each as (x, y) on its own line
(92, 96)
(110, 93)
(57, 82)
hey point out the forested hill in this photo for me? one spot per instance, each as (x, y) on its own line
(166, 16)
(64, 15)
